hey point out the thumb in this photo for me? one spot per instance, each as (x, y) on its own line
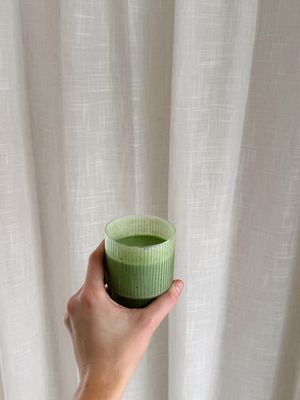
(160, 307)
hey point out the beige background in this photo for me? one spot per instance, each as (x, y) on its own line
(189, 110)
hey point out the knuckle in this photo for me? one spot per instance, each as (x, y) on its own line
(71, 305)
(67, 321)
(172, 296)
(88, 299)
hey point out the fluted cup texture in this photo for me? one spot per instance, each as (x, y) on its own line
(135, 274)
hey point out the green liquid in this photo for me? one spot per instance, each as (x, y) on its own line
(141, 240)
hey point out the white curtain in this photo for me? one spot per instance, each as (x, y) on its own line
(185, 109)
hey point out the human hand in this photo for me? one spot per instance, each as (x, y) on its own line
(109, 340)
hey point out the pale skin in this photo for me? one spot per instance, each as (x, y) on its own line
(109, 340)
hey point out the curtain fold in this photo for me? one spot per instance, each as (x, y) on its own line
(183, 109)
(261, 285)
(22, 296)
(213, 48)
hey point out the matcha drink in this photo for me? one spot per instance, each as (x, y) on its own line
(139, 252)
(140, 240)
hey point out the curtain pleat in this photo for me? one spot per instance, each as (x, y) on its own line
(23, 348)
(213, 48)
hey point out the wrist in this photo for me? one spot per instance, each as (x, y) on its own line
(101, 385)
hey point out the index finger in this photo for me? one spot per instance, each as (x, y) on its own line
(95, 270)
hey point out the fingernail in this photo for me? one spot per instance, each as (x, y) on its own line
(178, 286)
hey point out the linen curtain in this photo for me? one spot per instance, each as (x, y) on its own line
(185, 109)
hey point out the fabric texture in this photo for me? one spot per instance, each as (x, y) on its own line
(184, 109)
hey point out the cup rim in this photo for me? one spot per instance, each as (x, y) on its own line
(140, 215)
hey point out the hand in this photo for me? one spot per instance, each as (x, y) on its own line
(109, 340)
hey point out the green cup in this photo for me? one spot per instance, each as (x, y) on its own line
(139, 254)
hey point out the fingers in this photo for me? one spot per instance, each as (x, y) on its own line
(71, 306)
(95, 270)
(94, 279)
(160, 307)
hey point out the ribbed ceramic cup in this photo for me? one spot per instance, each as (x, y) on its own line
(136, 275)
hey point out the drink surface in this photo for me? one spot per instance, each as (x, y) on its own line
(141, 240)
